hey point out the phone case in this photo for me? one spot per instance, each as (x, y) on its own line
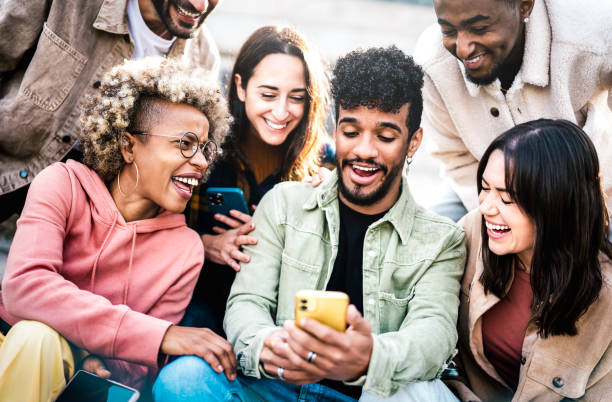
(223, 199)
(327, 307)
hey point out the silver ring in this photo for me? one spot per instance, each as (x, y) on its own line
(279, 373)
(311, 357)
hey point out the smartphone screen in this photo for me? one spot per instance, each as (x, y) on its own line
(85, 386)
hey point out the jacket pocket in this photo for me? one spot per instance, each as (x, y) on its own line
(52, 72)
(561, 377)
(392, 310)
(295, 275)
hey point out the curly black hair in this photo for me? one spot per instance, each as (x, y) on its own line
(379, 78)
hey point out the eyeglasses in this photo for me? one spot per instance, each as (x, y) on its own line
(189, 143)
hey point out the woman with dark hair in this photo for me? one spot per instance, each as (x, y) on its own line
(279, 98)
(536, 298)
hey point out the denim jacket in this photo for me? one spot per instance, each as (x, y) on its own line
(412, 265)
(52, 55)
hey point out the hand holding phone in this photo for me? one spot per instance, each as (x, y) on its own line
(324, 347)
(327, 307)
(229, 207)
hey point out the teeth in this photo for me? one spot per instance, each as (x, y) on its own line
(474, 60)
(365, 169)
(275, 126)
(496, 227)
(187, 13)
(187, 180)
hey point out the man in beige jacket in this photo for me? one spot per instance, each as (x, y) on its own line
(54, 53)
(492, 64)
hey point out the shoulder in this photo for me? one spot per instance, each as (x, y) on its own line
(471, 225)
(437, 226)
(290, 200)
(429, 49)
(585, 24)
(53, 175)
(292, 192)
(53, 182)
(204, 49)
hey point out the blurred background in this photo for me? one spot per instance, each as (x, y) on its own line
(335, 27)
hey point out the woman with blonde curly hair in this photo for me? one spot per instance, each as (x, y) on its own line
(279, 98)
(103, 265)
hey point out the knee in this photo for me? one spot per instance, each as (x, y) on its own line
(189, 377)
(32, 335)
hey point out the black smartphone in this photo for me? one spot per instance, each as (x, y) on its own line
(85, 386)
(223, 199)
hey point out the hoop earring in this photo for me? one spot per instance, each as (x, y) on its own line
(408, 160)
(137, 179)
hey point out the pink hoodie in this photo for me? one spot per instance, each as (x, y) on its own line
(110, 287)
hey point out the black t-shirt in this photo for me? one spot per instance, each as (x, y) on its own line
(347, 275)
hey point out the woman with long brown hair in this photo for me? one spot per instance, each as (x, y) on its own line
(536, 298)
(279, 98)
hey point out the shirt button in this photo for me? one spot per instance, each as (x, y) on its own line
(371, 302)
(23, 173)
(66, 139)
(96, 84)
(558, 382)
(372, 253)
(523, 360)
(126, 38)
(494, 112)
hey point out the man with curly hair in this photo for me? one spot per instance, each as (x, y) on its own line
(53, 54)
(102, 265)
(360, 232)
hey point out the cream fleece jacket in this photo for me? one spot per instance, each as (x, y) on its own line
(108, 286)
(566, 73)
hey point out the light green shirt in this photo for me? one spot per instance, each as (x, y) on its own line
(412, 264)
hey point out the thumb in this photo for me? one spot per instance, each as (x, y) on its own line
(356, 321)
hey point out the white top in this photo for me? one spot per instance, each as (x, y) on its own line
(146, 42)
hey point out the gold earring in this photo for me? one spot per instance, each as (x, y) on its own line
(137, 179)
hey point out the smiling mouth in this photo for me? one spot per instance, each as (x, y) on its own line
(497, 229)
(186, 184)
(474, 62)
(276, 126)
(364, 171)
(187, 13)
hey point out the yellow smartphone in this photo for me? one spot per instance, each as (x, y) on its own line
(327, 307)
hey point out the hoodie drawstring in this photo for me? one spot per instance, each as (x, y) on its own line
(129, 273)
(95, 265)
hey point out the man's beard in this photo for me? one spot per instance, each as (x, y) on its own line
(354, 196)
(163, 11)
(486, 80)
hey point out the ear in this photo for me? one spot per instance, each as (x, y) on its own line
(415, 142)
(525, 8)
(239, 90)
(127, 147)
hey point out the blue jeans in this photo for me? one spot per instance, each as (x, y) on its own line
(191, 379)
(449, 204)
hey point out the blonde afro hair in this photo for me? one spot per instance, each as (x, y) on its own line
(109, 112)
